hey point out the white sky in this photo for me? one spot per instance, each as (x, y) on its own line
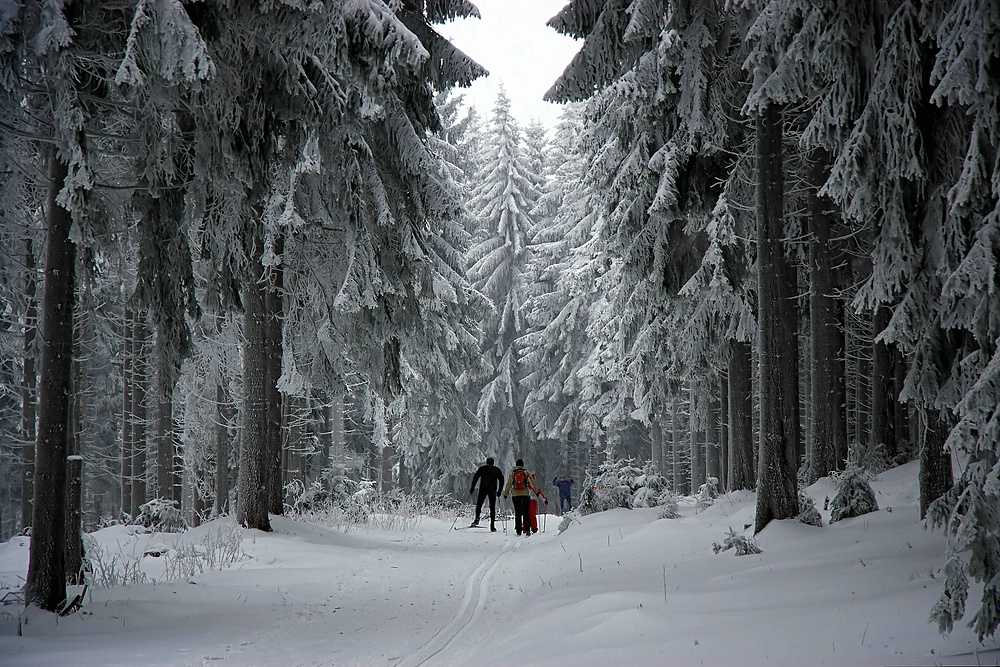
(616, 589)
(514, 44)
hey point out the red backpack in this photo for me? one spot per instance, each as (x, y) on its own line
(520, 480)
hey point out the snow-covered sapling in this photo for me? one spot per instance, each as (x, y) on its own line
(808, 514)
(854, 497)
(744, 545)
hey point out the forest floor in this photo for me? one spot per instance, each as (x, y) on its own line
(616, 588)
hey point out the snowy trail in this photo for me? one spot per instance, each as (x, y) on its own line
(466, 617)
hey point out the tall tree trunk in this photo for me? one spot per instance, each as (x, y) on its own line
(164, 443)
(901, 413)
(128, 417)
(826, 368)
(675, 435)
(74, 460)
(385, 468)
(713, 457)
(656, 445)
(405, 482)
(882, 433)
(222, 416)
(741, 441)
(47, 556)
(28, 387)
(697, 476)
(274, 313)
(74, 519)
(777, 492)
(839, 393)
(723, 432)
(140, 412)
(177, 464)
(936, 476)
(197, 501)
(253, 488)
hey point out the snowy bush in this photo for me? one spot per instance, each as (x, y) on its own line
(669, 508)
(744, 545)
(336, 500)
(109, 569)
(808, 514)
(612, 487)
(217, 551)
(854, 496)
(161, 515)
(650, 486)
(707, 493)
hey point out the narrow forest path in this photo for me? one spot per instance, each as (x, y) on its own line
(464, 626)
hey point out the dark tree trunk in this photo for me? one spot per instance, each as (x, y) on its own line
(177, 467)
(28, 387)
(274, 310)
(825, 364)
(253, 485)
(741, 441)
(74, 519)
(385, 468)
(293, 461)
(222, 416)
(777, 493)
(713, 457)
(47, 558)
(164, 444)
(405, 483)
(675, 436)
(128, 417)
(882, 433)
(901, 413)
(697, 471)
(656, 445)
(140, 391)
(723, 432)
(197, 502)
(936, 476)
(839, 396)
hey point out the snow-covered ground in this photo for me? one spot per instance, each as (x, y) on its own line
(616, 588)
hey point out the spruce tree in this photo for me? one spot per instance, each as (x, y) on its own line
(501, 204)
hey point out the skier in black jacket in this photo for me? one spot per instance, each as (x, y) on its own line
(490, 480)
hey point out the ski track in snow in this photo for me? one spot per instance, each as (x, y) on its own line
(466, 617)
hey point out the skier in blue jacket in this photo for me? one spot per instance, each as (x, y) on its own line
(564, 484)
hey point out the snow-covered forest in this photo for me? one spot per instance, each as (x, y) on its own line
(258, 257)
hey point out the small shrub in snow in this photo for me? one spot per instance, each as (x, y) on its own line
(854, 496)
(109, 569)
(161, 515)
(707, 493)
(611, 488)
(649, 487)
(669, 508)
(337, 500)
(744, 545)
(808, 514)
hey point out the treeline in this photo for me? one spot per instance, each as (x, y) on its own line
(219, 220)
(777, 250)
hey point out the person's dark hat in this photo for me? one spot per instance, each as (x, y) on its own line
(519, 462)
(489, 460)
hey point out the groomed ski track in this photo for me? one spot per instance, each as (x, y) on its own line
(452, 641)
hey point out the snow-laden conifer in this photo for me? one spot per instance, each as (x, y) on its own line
(501, 203)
